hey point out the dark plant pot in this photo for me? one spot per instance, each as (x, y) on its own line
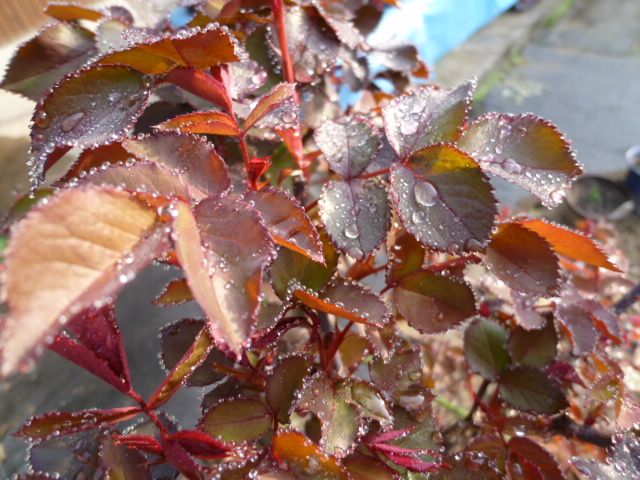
(633, 176)
(597, 197)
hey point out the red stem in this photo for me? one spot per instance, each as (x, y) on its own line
(278, 17)
(336, 345)
(456, 262)
(377, 173)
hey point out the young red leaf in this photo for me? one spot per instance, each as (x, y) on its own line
(313, 49)
(283, 385)
(287, 222)
(53, 424)
(523, 450)
(223, 248)
(201, 84)
(68, 12)
(433, 303)
(523, 260)
(184, 369)
(427, 116)
(485, 348)
(176, 292)
(145, 443)
(180, 458)
(55, 51)
(177, 338)
(80, 247)
(200, 444)
(199, 48)
(444, 199)
(212, 123)
(78, 113)
(305, 459)
(237, 420)
(281, 97)
(570, 244)
(123, 463)
(535, 348)
(532, 390)
(525, 150)
(356, 215)
(191, 157)
(348, 144)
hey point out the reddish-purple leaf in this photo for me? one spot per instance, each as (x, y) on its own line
(78, 112)
(313, 48)
(444, 199)
(287, 222)
(412, 463)
(523, 260)
(211, 122)
(146, 443)
(191, 157)
(53, 424)
(348, 144)
(579, 326)
(433, 303)
(68, 456)
(525, 311)
(76, 251)
(201, 84)
(406, 256)
(340, 17)
(356, 215)
(364, 467)
(123, 463)
(426, 116)
(532, 390)
(535, 348)
(284, 383)
(184, 369)
(92, 159)
(525, 150)
(199, 48)
(84, 357)
(223, 248)
(523, 449)
(180, 458)
(279, 102)
(57, 50)
(200, 444)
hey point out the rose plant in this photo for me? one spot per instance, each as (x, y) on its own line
(367, 311)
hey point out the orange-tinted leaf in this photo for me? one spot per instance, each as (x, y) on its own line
(353, 350)
(176, 292)
(193, 358)
(347, 300)
(444, 199)
(525, 150)
(570, 244)
(288, 222)
(305, 459)
(189, 156)
(212, 122)
(64, 423)
(80, 247)
(94, 158)
(426, 116)
(78, 113)
(202, 84)
(362, 467)
(433, 303)
(237, 420)
(223, 249)
(199, 48)
(406, 256)
(42, 61)
(70, 12)
(279, 97)
(523, 260)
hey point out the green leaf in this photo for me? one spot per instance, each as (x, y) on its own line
(237, 420)
(433, 303)
(427, 116)
(39, 63)
(485, 347)
(284, 383)
(444, 199)
(525, 150)
(535, 348)
(532, 390)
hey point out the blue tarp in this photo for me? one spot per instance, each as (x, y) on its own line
(436, 26)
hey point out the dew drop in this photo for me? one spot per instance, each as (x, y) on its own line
(351, 231)
(425, 194)
(70, 122)
(409, 126)
(417, 217)
(511, 166)
(41, 119)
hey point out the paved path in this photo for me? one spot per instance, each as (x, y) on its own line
(583, 74)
